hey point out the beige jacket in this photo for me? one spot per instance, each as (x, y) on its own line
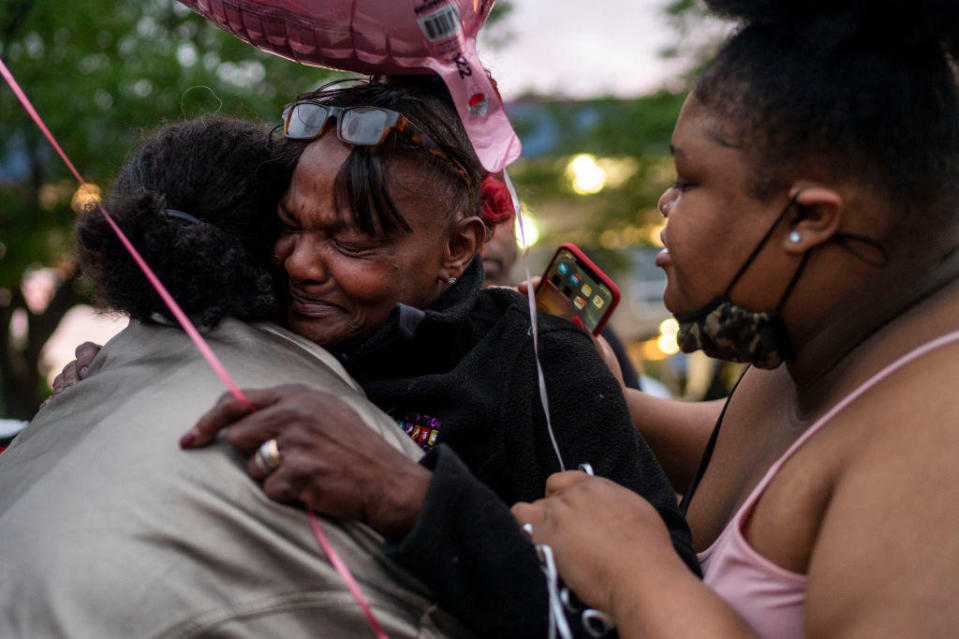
(108, 529)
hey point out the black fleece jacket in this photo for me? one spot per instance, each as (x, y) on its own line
(461, 379)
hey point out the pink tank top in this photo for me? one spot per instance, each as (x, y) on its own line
(772, 599)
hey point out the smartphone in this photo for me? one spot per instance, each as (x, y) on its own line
(573, 287)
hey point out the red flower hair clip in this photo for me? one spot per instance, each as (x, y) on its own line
(497, 200)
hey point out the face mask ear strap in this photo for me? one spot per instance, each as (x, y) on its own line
(848, 241)
(794, 280)
(762, 242)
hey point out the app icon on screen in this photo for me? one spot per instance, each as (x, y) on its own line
(579, 302)
(562, 267)
(587, 290)
(598, 302)
(574, 279)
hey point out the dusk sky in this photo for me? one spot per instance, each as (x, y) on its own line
(577, 48)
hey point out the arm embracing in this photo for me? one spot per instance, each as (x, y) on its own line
(444, 526)
(467, 548)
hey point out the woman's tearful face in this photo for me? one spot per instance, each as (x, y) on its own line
(343, 282)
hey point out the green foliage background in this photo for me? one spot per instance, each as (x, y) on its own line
(101, 74)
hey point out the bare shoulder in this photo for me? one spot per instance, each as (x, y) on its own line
(886, 559)
(913, 410)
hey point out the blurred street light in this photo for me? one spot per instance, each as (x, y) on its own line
(585, 175)
(667, 344)
(654, 232)
(527, 233)
(668, 327)
(85, 197)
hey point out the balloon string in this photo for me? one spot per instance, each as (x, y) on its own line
(534, 320)
(347, 577)
(192, 332)
(171, 304)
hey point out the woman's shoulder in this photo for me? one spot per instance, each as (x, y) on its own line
(891, 516)
(496, 302)
(915, 403)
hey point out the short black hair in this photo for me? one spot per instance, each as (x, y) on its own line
(218, 170)
(362, 181)
(865, 89)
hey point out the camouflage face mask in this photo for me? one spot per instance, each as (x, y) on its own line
(723, 330)
(729, 332)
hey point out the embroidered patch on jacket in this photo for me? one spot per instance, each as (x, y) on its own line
(422, 429)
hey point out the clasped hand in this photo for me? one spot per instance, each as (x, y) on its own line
(329, 459)
(602, 535)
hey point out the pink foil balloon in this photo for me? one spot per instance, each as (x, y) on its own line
(383, 37)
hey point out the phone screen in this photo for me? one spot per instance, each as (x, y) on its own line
(569, 289)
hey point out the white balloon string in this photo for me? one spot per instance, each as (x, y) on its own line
(533, 317)
(557, 613)
(597, 624)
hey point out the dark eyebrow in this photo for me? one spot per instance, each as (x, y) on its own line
(720, 139)
(341, 223)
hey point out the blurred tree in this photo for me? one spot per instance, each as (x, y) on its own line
(626, 147)
(628, 140)
(697, 35)
(99, 75)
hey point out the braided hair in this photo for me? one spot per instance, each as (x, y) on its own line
(198, 199)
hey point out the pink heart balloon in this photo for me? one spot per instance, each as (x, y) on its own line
(383, 37)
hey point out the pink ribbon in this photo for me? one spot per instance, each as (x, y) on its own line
(198, 341)
(347, 577)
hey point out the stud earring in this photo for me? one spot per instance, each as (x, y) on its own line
(795, 237)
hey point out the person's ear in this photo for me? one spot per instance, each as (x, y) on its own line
(465, 238)
(818, 213)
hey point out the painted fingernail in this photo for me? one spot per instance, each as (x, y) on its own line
(83, 371)
(187, 440)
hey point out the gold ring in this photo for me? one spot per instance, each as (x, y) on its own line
(267, 457)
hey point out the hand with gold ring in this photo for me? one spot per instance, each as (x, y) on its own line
(267, 457)
(311, 447)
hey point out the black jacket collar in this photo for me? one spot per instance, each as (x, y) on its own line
(453, 307)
